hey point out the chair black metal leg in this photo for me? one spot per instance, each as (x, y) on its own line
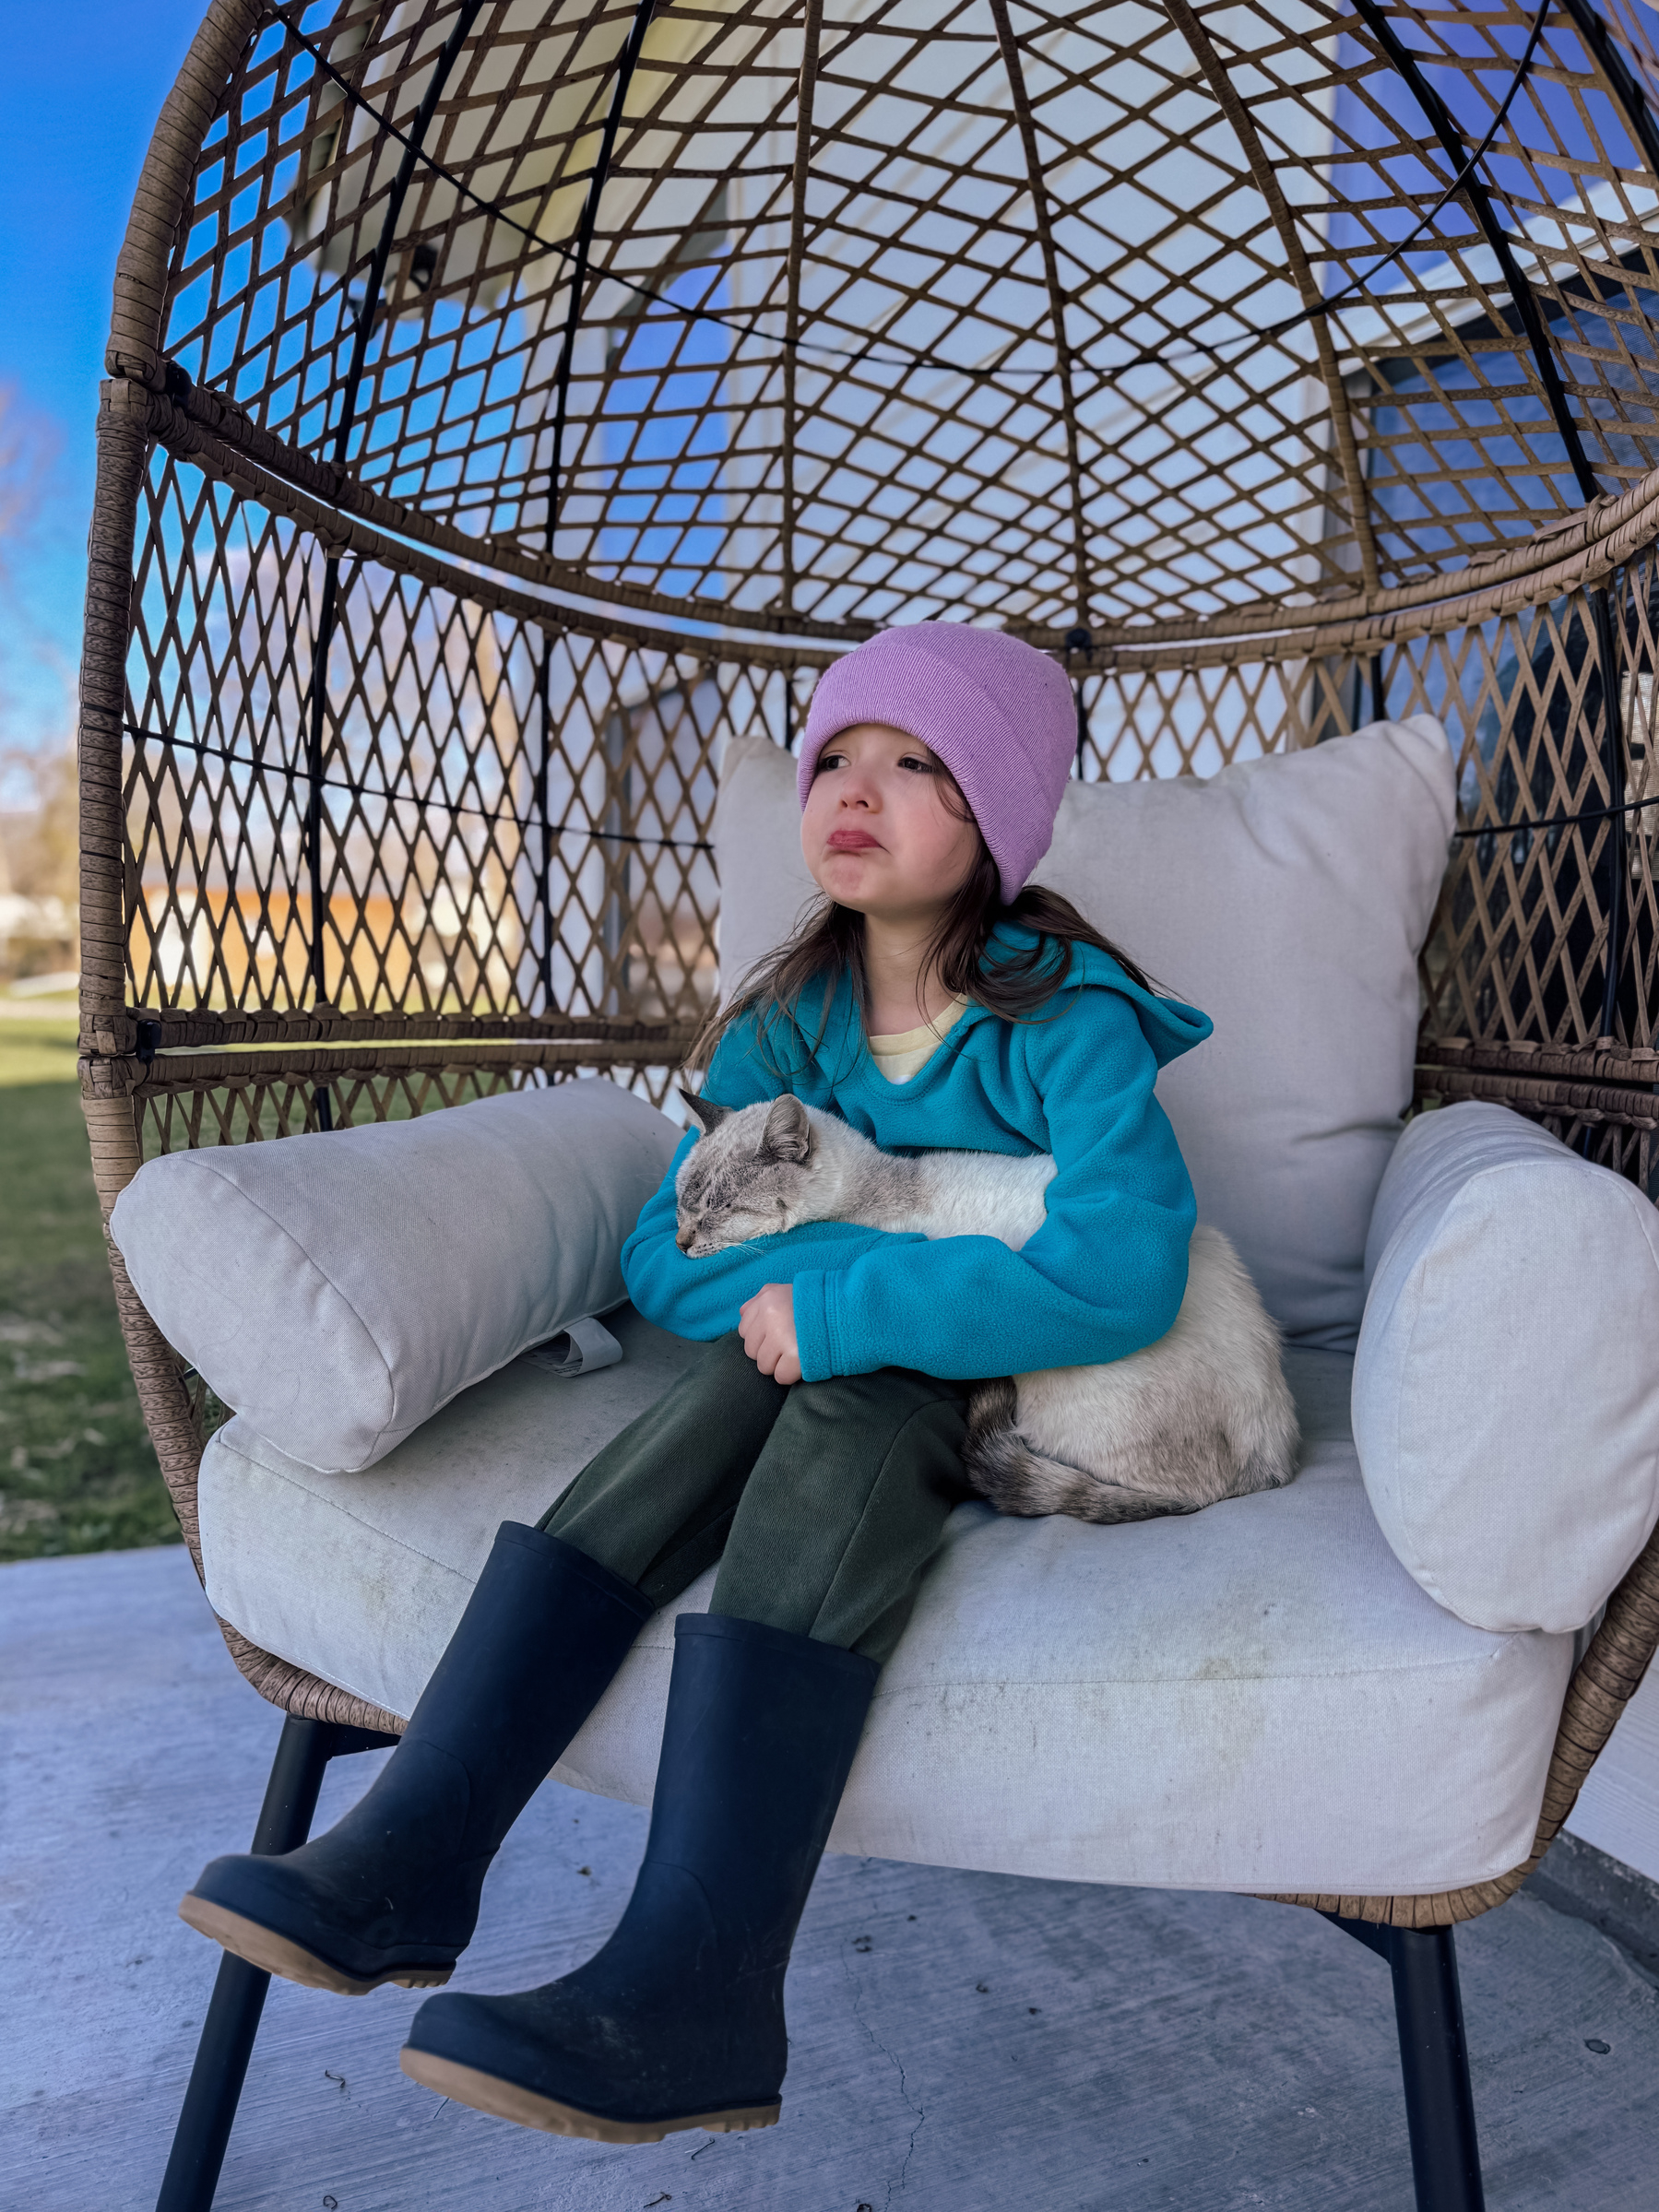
(216, 2079)
(303, 1750)
(1434, 2063)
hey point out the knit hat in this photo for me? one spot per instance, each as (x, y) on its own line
(998, 713)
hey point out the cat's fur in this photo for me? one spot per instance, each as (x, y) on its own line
(1202, 1415)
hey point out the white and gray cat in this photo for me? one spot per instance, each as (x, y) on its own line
(1202, 1415)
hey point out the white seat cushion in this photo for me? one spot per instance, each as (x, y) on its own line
(1259, 1697)
(1289, 898)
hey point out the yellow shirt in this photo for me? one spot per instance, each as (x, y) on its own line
(906, 1052)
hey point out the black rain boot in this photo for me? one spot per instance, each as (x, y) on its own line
(678, 2020)
(391, 1892)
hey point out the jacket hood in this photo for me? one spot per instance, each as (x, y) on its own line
(1169, 1026)
(833, 1037)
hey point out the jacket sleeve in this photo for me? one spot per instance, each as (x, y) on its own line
(1103, 1277)
(700, 1299)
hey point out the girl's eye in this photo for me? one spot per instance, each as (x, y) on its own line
(916, 764)
(830, 759)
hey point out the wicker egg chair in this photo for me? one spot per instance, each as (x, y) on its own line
(511, 400)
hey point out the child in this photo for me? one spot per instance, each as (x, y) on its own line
(813, 1450)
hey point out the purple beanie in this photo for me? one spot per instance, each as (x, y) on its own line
(998, 713)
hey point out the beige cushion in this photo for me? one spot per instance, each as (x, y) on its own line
(1506, 1392)
(1289, 898)
(337, 1290)
(1259, 1697)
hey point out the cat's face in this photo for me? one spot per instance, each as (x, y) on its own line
(745, 1177)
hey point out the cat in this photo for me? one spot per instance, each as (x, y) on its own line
(1202, 1415)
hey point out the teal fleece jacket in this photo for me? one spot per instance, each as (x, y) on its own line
(1103, 1277)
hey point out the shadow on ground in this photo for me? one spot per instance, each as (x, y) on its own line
(960, 2042)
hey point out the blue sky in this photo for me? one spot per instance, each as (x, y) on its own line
(79, 91)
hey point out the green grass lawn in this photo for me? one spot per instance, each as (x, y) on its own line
(76, 1470)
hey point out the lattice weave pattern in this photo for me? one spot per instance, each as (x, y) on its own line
(513, 400)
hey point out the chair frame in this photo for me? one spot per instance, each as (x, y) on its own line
(1428, 2014)
(1541, 981)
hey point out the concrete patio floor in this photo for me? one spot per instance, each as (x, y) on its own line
(961, 2041)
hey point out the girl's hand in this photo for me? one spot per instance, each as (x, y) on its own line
(766, 1324)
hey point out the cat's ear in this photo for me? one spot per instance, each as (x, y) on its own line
(788, 1133)
(708, 1111)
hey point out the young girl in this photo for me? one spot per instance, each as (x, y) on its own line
(813, 1450)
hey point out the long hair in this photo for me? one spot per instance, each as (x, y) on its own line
(828, 943)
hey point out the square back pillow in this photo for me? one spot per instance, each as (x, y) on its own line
(1289, 898)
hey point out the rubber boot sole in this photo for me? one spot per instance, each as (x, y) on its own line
(508, 2100)
(278, 1955)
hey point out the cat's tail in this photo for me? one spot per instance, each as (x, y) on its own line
(1265, 1434)
(1009, 1475)
(1230, 1328)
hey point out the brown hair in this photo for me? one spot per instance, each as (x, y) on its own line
(829, 942)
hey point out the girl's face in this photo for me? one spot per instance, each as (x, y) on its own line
(884, 832)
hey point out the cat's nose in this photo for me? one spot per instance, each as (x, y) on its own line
(685, 1238)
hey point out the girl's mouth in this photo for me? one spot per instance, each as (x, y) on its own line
(852, 841)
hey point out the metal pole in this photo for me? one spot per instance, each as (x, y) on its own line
(1444, 126)
(1612, 758)
(317, 734)
(1434, 2065)
(586, 227)
(221, 2059)
(1434, 2061)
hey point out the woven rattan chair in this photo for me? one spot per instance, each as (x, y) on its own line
(512, 401)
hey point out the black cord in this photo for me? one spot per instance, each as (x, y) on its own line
(1395, 252)
(1556, 821)
(597, 181)
(913, 358)
(294, 774)
(318, 703)
(1524, 299)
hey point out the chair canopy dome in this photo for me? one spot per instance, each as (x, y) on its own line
(811, 315)
(513, 400)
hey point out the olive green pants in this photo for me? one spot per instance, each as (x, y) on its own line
(823, 1502)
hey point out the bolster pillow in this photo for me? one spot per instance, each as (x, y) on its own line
(335, 1290)
(1506, 1390)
